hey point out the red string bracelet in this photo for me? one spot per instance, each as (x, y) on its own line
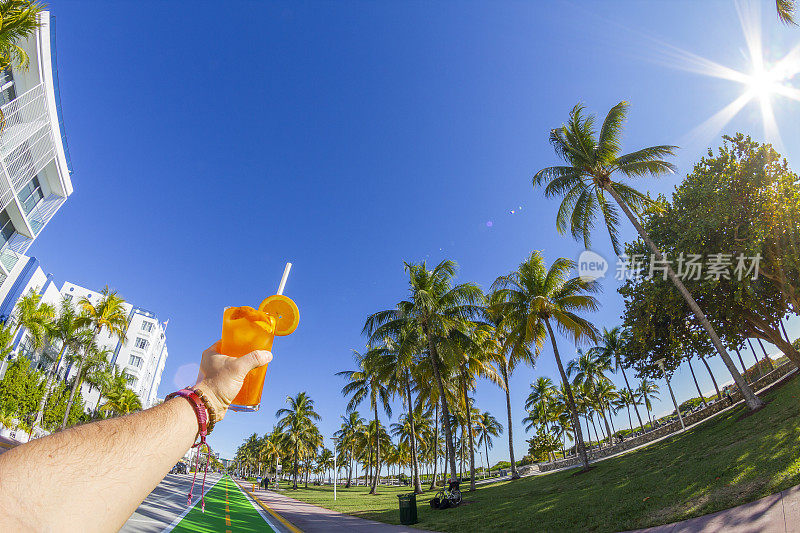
(201, 411)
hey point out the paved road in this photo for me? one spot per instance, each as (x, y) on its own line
(165, 503)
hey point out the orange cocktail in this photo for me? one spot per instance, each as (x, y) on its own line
(245, 329)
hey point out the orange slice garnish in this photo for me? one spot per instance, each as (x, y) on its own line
(285, 312)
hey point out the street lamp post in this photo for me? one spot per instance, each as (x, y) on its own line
(661, 364)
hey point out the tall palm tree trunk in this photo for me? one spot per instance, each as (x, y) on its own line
(741, 361)
(713, 379)
(753, 401)
(471, 441)
(628, 386)
(50, 376)
(765, 352)
(504, 371)
(448, 436)
(570, 401)
(296, 465)
(705, 403)
(414, 459)
(630, 420)
(486, 443)
(605, 421)
(75, 386)
(374, 488)
(435, 446)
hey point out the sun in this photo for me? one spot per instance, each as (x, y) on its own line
(762, 84)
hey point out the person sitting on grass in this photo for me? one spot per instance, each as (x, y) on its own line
(92, 477)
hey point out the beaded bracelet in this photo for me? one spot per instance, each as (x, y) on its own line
(212, 415)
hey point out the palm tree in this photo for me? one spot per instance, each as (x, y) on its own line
(488, 427)
(109, 380)
(122, 402)
(786, 11)
(625, 399)
(296, 421)
(647, 392)
(531, 298)
(67, 330)
(364, 383)
(586, 178)
(33, 315)
(541, 390)
(399, 362)
(438, 309)
(20, 19)
(413, 426)
(475, 362)
(508, 356)
(91, 359)
(611, 348)
(352, 426)
(109, 315)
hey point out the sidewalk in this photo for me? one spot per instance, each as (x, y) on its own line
(308, 518)
(777, 513)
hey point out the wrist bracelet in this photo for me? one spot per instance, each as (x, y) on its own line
(212, 415)
(200, 409)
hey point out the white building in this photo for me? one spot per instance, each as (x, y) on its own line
(142, 356)
(34, 158)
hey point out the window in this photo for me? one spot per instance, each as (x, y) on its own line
(6, 227)
(30, 195)
(135, 361)
(147, 326)
(131, 380)
(68, 297)
(141, 343)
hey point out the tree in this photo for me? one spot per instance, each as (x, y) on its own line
(399, 362)
(33, 315)
(122, 402)
(20, 19)
(785, 10)
(67, 330)
(587, 177)
(648, 391)
(367, 382)
(749, 204)
(488, 428)
(612, 347)
(109, 315)
(20, 388)
(439, 310)
(507, 356)
(297, 422)
(352, 426)
(531, 299)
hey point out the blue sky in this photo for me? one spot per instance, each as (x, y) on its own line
(211, 145)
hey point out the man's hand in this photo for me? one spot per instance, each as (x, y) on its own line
(221, 377)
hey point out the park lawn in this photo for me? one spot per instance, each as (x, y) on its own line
(727, 461)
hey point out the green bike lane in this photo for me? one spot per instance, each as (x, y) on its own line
(228, 510)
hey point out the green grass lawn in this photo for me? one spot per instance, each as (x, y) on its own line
(720, 464)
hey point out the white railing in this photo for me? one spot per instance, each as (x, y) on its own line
(26, 141)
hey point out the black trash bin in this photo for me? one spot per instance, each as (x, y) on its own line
(408, 508)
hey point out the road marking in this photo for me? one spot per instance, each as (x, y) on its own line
(285, 522)
(180, 517)
(227, 516)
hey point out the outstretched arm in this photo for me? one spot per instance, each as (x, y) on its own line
(93, 477)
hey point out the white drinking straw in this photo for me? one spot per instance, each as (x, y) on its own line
(283, 279)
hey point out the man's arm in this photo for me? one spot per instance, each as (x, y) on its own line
(93, 477)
